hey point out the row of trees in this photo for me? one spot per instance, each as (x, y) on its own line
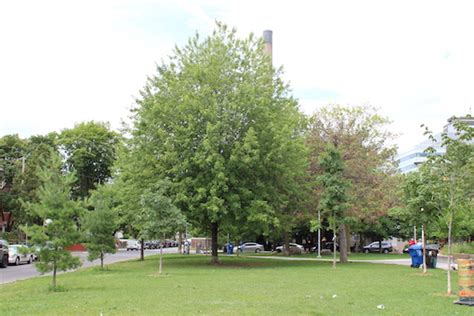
(219, 125)
(217, 143)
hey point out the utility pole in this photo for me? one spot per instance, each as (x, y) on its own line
(423, 243)
(319, 234)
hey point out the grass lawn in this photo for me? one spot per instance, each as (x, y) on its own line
(239, 286)
(352, 256)
(367, 256)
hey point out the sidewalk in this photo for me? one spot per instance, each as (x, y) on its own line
(442, 262)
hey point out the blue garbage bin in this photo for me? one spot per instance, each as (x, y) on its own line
(230, 248)
(416, 254)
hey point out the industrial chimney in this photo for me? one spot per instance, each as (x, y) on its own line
(268, 40)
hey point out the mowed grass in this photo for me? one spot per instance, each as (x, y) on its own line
(239, 286)
(352, 256)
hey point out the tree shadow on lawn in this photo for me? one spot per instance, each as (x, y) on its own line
(237, 263)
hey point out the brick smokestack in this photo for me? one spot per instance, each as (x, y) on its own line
(268, 40)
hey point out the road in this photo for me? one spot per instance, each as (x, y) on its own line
(26, 271)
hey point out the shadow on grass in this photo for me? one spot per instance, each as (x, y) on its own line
(235, 262)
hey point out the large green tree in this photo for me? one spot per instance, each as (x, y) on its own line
(26, 181)
(90, 151)
(334, 199)
(100, 224)
(219, 123)
(359, 134)
(161, 218)
(421, 199)
(59, 215)
(12, 151)
(452, 179)
(19, 160)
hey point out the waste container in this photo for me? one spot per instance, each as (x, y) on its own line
(230, 248)
(431, 257)
(416, 254)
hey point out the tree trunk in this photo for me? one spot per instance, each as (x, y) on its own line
(180, 242)
(342, 244)
(214, 232)
(142, 250)
(286, 244)
(450, 225)
(348, 238)
(334, 239)
(360, 243)
(54, 276)
(161, 259)
(102, 260)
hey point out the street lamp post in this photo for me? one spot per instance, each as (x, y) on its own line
(423, 242)
(319, 234)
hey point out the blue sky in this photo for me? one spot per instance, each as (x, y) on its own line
(63, 62)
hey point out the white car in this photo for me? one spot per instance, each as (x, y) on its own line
(294, 248)
(250, 247)
(19, 254)
(133, 244)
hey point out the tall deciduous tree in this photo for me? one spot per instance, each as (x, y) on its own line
(59, 214)
(101, 224)
(25, 183)
(218, 122)
(161, 219)
(421, 198)
(19, 160)
(334, 198)
(453, 178)
(90, 151)
(12, 151)
(360, 136)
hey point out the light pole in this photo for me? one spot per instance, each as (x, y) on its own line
(319, 234)
(423, 243)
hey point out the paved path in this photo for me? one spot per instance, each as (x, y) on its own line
(442, 262)
(27, 271)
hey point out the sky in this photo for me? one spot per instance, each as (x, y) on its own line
(64, 62)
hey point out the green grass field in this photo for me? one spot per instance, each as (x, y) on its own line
(239, 286)
(352, 256)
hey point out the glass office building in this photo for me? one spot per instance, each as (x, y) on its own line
(410, 160)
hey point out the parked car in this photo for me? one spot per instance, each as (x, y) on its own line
(294, 248)
(250, 247)
(326, 246)
(375, 247)
(19, 254)
(133, 244)
(3, 253)
(151, 244)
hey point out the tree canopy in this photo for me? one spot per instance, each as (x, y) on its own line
(220, 124)
(59, 215)
(359, 133)
(90, 151)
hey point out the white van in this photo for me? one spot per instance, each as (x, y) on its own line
(133, 244)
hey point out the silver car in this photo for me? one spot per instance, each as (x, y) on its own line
(250, 247)
(19, 254)
(294, 248)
